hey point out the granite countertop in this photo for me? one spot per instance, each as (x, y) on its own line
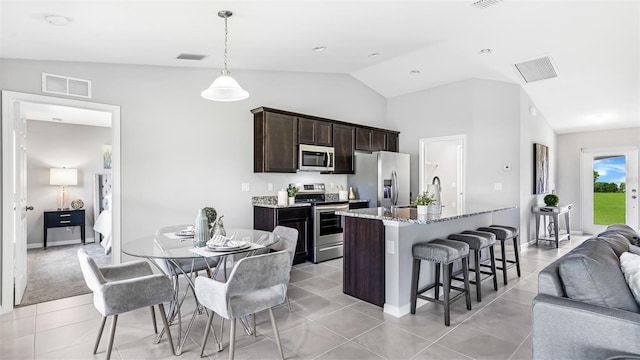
(409, 214)
(271, 201)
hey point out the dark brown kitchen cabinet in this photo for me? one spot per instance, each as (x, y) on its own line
(393, 142)
(298, 218)
(275, 142)
(370, 140)
(343, 141)
(314, 132)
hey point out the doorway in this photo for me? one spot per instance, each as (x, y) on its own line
(14, 184)
(609, 188)
(442, 160)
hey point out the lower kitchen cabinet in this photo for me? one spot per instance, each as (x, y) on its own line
(265, 218)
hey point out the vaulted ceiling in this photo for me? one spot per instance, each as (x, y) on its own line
(594, 45)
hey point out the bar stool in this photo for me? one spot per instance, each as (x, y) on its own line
(478, 241)
(504, 233)
(442, 253)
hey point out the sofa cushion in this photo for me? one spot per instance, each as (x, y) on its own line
(627, 231)
(630, 264)
(634, 249)
(618, 242)
(591, 273)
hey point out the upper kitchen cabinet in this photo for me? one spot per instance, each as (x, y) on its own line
(393, 142)
(275, 141)
(314, 132)
(343, 141)
(376, 140)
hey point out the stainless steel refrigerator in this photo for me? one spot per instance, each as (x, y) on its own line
(382, 177)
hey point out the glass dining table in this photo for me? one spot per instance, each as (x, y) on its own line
(175, 254)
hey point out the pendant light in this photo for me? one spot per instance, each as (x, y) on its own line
(225, 88)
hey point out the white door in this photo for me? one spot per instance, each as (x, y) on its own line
(19, 135)
(609, 188)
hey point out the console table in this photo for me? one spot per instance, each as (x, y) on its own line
(554, 212)
(64, 218)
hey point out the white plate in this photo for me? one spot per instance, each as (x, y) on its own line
(230, 246)
(186, 233)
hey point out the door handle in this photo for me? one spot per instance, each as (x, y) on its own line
(634, 197)
(28, 208)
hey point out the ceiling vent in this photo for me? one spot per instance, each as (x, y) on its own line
(65, 85)
(536, 69)
(483, 4)
(191, 57)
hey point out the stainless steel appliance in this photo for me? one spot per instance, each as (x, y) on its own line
(316, 158)
(382, 177)
(327, 226)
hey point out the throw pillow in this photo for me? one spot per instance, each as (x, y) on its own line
(634, 249)
(591, 274)
(630, 264)
(618, 242)
(627, 231)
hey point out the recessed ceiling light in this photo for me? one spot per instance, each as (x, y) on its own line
(56, 20)
(414, 72)
(319, 48)
(374, 54)
(485, 51)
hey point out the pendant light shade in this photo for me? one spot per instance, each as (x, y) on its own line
(225, 88)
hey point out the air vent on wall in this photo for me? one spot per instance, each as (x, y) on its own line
(191, 57)
(536, 69)
(483, 4)
(65, 85)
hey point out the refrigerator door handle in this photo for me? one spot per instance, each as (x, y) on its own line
(394, 178)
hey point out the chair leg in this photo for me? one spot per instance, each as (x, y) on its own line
(153, 318)
(253, 324)
(414, 284)
(112, 335)
(275, 332)
(492, 254)
(445, 289)
(288, 303)
(504, 261)
(465, 276)
(206, 333)
(516, 251)
(476, 258)
(165, 322)
(232, 339)
(437, 283)
(104, 321)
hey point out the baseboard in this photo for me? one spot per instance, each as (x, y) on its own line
(60, 243)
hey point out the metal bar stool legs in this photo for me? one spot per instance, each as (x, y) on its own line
(478, 241)
(443, 253)
(503, 233)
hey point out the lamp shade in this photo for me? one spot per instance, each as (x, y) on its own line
(63, 176)
(225, 88)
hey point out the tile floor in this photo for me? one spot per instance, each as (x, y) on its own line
(324, 324)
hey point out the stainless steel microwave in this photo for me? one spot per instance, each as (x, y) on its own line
(316, 158)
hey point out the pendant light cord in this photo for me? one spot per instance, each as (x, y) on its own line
(226, 36)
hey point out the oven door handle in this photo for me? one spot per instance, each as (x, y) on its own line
(329, 208)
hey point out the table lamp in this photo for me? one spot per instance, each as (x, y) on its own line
(63, 177)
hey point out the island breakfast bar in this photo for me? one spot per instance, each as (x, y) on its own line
(377, 249)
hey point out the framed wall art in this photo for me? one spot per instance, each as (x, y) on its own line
(540, 169)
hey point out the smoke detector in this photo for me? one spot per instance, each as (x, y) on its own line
(483, 4)
(537, 69)
(191, 57)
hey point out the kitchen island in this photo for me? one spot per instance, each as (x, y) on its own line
(377, 249)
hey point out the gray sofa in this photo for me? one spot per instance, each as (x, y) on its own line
(584, 308)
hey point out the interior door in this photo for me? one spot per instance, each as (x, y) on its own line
(604, 203)
(19, 136)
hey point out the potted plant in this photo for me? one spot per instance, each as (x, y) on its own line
(423, 201)
(551, 200)
(292, 191)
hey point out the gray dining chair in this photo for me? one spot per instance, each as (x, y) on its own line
(288, 242)
(122, 288)
(256, 283)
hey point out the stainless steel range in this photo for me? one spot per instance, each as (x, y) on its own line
(328, 227)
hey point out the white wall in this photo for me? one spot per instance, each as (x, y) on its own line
(181, 152)
(488, 113)
(569, 158)
(62, 145)
(534, 129)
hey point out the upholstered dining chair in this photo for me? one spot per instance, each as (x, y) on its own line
(288, 242)
(122, 288)
(256, 283)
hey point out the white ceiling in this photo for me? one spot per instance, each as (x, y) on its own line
(594, 44)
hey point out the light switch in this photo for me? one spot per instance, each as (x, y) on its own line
(246, 187)
(391, 249)
(270, 187)
(497, 186)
